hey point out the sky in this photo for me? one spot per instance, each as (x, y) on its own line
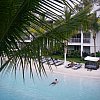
(62, 7)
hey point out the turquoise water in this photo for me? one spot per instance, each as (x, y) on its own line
(68, 88)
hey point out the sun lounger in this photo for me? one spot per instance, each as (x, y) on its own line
(77, 66)
(52, 62)
(70, 65)
(60, 62)
(46, 60)
(56, 62)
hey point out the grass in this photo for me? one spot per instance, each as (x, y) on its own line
(76, 60)
(79, 60)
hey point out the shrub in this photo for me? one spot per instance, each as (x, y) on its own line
(85, 54)
(74, 53)
(98, 54)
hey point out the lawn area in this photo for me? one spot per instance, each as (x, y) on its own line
(80, 60)
(76, 60)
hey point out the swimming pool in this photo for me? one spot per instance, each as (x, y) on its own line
(68, 88)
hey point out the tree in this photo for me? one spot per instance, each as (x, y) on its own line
(17, 16)
(68, 14)
(95, 28)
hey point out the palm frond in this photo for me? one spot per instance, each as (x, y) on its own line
(18, 16)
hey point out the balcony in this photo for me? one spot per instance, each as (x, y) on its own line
(78, 40)
(75, 40)
(86, 40)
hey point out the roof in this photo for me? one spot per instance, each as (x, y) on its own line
(89, 58)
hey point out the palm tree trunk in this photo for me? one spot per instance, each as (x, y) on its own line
(65, 51)
(94, 47)
(94, 38)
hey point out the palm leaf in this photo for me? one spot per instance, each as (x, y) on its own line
(16, 18)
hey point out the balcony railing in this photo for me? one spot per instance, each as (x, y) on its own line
(75, 40)
(86, 40)
(78, 40)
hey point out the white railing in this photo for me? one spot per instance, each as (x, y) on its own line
(75, 40)
(86, 40)
(78, 40)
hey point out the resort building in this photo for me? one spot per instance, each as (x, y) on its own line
(83, 41)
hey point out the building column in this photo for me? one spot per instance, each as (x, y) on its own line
(91, 43)
(81, 43)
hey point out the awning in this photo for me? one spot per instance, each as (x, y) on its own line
(89, 58)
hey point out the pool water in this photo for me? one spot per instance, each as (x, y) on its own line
(68, 88)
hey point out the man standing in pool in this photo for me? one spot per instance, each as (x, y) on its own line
(54, 82)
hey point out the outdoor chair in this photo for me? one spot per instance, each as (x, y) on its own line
(53, 62)
(70, 65)
(60, 62)
(76, 66)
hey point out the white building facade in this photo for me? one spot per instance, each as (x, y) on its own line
(84, 42)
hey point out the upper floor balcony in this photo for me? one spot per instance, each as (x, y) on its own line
(78, 40)
(86, 40)
(75, 40)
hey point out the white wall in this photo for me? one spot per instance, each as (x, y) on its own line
(97, 43)
(96, 8)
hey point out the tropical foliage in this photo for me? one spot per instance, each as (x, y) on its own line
(94, 25)
(19, 18)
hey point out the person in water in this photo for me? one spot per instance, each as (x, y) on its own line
(54, 82)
